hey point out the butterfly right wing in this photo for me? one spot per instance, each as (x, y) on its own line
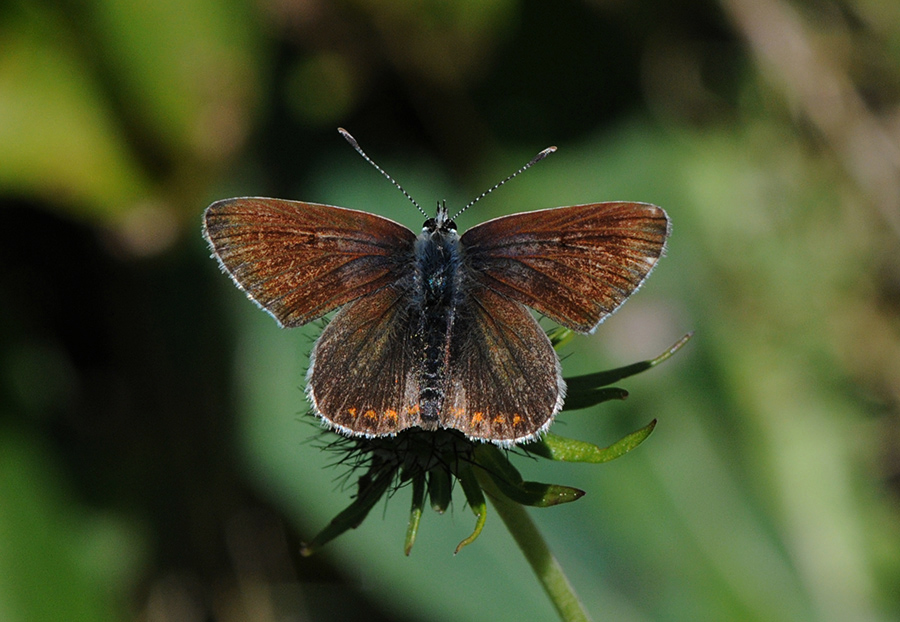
(505, 382)
(298, 261)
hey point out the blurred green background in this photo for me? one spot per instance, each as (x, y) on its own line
(155, 463)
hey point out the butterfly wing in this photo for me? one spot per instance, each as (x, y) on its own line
(574, 264)
(505, 382)
(298, 261)
(363, 374)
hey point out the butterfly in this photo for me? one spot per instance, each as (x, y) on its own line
(433, 330)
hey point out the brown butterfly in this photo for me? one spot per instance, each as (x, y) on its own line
(432, 329)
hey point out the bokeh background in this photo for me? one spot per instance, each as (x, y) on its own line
(155, 460)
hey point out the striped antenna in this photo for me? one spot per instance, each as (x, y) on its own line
(543, 154)
(349, 138)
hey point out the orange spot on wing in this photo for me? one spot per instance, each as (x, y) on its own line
(370, 414)
(391, 414)
(517, 419)
(499, 420)
(413, 410)
(352, 412)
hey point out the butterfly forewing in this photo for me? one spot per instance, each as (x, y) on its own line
(575, 264)
(299, 261)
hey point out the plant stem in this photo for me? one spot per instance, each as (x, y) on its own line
(534, 547)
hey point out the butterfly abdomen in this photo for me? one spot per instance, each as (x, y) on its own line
(437, 259)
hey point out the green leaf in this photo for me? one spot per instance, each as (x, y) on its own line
(537, 494)
(439, 488)
(494, 461)
(369, 493)
(475, 498)
(510, 482)
(560, 336)
(591, 382)
(415, 513)
(585, 398)
(555, 447)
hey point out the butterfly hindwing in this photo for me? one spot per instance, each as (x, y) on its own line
(363, 376)
(504, 379)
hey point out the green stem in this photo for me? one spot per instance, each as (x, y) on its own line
(534, 547)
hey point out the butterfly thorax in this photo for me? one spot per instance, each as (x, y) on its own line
(437, 279)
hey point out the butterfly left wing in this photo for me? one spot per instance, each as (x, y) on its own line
(575, 264)
(298, 261)
(363, 373)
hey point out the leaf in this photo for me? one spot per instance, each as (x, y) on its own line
(475, 498)
(510, 482)
(560, 336)
(439, 488)
(369, 494)
(415, 513)
(592, 382)
(554, 447)
(537, 494)
(494, 461)
(585, 398)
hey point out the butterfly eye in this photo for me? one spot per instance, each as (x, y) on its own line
(430, 225)
(449, 226)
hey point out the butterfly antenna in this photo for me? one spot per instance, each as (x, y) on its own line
(349, 138)
(543, 154)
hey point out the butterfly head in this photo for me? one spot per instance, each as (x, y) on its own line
(441, 224)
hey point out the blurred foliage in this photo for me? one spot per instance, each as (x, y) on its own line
(153, 454)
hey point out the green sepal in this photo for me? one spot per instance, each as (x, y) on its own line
(493, 460)
(510, 482)
(415, 513)
(554, 447)
(440, 487)
(560, 336)
(475, 499)
(370, 491)
(538, 495)
(580, 398)
(591, 382)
